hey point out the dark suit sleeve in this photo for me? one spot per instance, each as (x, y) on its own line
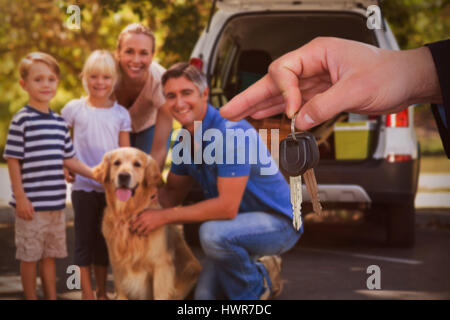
(441, 57)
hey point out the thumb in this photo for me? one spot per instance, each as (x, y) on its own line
(343, 95)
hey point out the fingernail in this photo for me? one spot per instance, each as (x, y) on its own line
(308, 119)
(290, 113)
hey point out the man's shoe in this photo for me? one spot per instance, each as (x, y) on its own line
(273, 268)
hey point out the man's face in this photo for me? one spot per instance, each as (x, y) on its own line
(185, 102)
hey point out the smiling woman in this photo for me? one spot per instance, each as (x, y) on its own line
(139, 90)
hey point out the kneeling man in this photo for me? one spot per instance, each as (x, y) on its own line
(247, 215)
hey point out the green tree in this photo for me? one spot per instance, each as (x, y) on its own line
(417, 22)
(40, 25)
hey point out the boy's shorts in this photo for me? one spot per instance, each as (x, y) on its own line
(42, 237)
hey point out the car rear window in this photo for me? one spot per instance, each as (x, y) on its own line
(250, 42)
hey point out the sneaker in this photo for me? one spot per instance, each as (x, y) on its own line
(273, 267)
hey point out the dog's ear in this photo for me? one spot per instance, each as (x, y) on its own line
(101, 172)
(152, 173)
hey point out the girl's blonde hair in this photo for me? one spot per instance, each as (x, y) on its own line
(100, 61)
(136, 28)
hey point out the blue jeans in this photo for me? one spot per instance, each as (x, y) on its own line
(232, 248)
(143, 140)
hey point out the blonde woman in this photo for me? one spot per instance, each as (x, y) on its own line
(139, 90)
(99, 125)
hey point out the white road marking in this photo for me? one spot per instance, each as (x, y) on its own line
(366, 256)
(432, 200)
(434, 181)
(403, 295)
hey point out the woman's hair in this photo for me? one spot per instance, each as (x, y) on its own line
(33, 57)
(190, 72)
(136, 28)
(100, 61)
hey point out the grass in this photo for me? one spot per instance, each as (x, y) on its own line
(438, 190)
(431, 145)
(434, 164)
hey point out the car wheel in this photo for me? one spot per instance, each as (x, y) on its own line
(401, 225)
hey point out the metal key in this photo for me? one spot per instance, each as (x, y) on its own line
(313, 190)
(309, 176)
(299, 154)
(295, 184)
(296, 200)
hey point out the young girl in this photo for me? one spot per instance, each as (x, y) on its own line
(99, 125)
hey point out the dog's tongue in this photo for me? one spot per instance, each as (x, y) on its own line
(123, 194)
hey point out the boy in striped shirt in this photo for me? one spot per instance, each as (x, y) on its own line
(37, 149)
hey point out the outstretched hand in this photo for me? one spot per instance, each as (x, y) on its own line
(330, 75)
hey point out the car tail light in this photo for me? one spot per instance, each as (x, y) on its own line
(196, 62)
(398, 158)
(396, 120)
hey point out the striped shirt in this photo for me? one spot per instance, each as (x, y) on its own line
(41, 141)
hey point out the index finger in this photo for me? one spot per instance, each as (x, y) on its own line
(245, 103)
(284, 77)
(296, 67)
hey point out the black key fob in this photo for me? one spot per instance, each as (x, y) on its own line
(299, 154)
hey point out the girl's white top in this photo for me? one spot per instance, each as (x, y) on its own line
(95, 132)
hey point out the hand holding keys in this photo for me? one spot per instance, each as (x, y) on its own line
(299, 154)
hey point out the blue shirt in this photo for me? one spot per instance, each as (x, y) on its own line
(264, 192)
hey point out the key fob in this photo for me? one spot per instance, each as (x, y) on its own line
(299, 154)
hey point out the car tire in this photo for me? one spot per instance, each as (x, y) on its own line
(401, 225)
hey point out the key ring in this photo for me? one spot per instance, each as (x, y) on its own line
(293, 126)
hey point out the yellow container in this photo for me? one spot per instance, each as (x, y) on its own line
(352, 140)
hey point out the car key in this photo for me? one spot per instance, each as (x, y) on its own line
(311, 186)
(309, 175)
(296, 200)
(298, 155)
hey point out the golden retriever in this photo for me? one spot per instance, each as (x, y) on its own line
(159, 265)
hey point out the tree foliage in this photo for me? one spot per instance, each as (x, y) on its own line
(40, 25)
(417, 22)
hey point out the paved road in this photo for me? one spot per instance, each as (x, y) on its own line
(329, 262)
